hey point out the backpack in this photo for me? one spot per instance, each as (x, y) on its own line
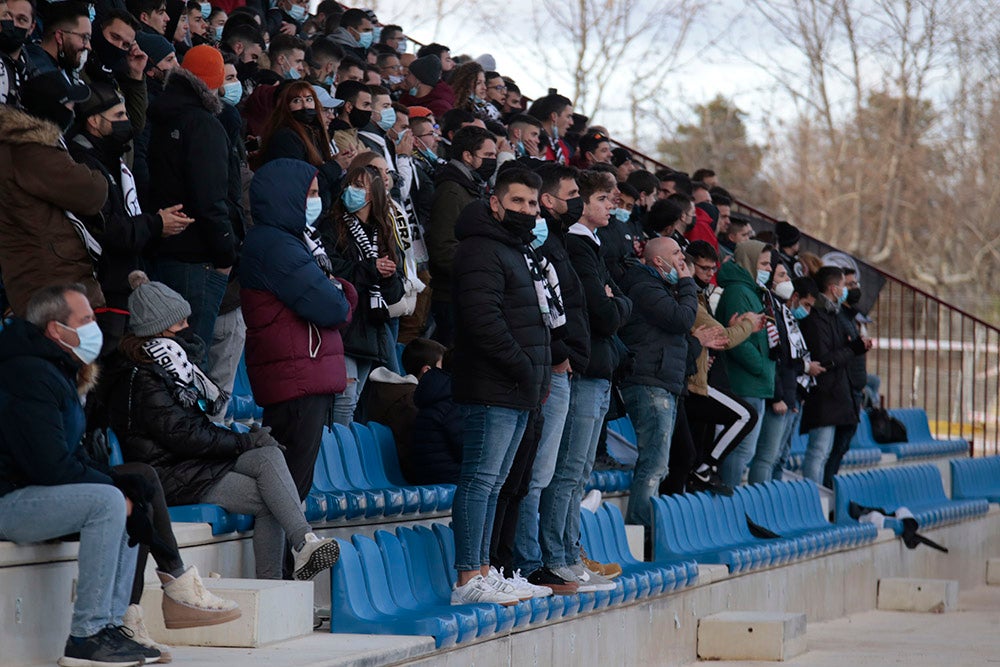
(886, 428)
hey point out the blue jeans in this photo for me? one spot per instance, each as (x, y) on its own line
(731, 468)
(559, 506)
(491, 436)
(772, 435)
(822, 441)
(346, 403)
(653, 411)
(778, 472)
(527, 552)
(106, 563)
(203, 288)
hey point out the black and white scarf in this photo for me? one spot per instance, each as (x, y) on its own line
(367, 248)
(546, 281)
(557, 149)
(798, 348)
(315, 244)
(192, 385)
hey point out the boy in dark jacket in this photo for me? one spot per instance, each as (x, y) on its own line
(435, 454)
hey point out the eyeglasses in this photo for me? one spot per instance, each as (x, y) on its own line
(712, 268)
(429, 134)
(500, 88)
(82, 35)
(393, 68)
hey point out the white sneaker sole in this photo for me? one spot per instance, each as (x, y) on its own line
(83, 662)
(323, 558)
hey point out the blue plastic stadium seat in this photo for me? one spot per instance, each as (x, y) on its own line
(976, 478)
(386, 448)
(917, 488)
(610, 481)
(381, 501)
(329, 479)
(241, 404)
(415, 498)
(919, 441)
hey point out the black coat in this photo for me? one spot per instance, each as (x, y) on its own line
(41, 420)
(435, 452)
(286, 143)
(857, 368)
(787, 369)
(502, 354)
(657, 332)
(189, 453)
(189, 165)
(618, 244)
(606, 315)
(831, 402)
(574, 344)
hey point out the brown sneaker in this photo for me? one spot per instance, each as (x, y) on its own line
(606, 570)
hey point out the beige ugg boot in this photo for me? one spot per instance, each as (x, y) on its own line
(188, 604)
(133, 621)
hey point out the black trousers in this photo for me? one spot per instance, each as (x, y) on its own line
(298, 425)
(513, 491)
(683, 453)
(718, 408)
(841, 443)
(444, 322)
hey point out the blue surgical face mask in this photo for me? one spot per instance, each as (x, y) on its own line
(800, 313)
(314, 206)
(92, 12)
(354, 198)
(429, 154)
(541, 232)
(293, 73)
(402, 46)
(91, 341)
(387, 119)
(328, 81)
(232, 92)
(762, 277)
(218, 33)
(413, 91)
(843, 295)
(206, 10)
(365, 39)
(671, 277)
(521, 150)
(621, 214)
(376, 33)
(298, 13)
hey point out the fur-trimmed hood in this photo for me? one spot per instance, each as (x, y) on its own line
(180, 79)
(19, 128)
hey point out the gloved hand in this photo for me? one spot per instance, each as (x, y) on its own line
(260, 437)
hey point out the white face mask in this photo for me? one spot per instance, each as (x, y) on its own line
(784, 290)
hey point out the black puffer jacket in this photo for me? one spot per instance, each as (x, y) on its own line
(606, 314)
(435, 452)
(831, 402)
(189, 453)
(502, 355)
(658, 330)
(189, 165)
(574, 344)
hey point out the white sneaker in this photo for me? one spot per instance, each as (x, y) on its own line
(599, 582)
(504, 585)
(567, 574)
(521, 584)
(317, 554)
(133, 620)
(477, 591)
(592, 501)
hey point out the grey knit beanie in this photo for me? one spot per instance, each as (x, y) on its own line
(153, 307)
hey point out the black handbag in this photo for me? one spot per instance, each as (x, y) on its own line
(886, 428)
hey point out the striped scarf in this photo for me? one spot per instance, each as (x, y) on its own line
(367, 248)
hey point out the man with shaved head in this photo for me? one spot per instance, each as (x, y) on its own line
(665, 303)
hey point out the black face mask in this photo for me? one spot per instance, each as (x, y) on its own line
(305, 116)
(358, 118)
(853, 296)
(574, 211)
(520, 224)
(246, 71)
(487, 169)
(121, 132)
(110, 55)
(11, 37)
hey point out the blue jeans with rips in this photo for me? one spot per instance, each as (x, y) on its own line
(653, 411)
(527, 551)
(106, 562)
(559, 507)
(731, 469)
(491, 436)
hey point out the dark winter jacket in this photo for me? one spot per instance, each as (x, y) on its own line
(574, 344)
(657, 331)
(831, 402)
(787, 369)
(286, 143)
(606, 315)
(41, 420)
(454, 188)
(502, 355)
(750, 368)
(189, 453)
(390, 402)
(857, 368)
(618, 242)
(294, 312)
(435, 452)
(189, 165)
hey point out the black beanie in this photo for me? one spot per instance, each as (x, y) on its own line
(787, 234)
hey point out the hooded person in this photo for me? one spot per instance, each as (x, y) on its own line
(42, 242)
(295, 311)
(750, 366)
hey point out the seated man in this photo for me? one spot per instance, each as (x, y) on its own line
(47, 487)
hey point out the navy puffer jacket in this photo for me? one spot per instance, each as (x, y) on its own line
(435, 455)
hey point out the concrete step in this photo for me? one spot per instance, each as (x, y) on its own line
(273, 611)
(993, 571)
(751, 635)
(921, 595)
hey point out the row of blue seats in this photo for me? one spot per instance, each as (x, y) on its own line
(713, 529)
(919, 441)
(976, 478)
(918, 488)
(400, 583)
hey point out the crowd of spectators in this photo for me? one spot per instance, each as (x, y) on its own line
(189, 184)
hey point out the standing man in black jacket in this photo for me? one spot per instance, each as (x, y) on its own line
(189, 165)
(666, 304)
(502, 362)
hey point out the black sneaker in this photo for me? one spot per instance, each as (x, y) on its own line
(543, 576)
(108, 648)
(606, 462)
(710, 481)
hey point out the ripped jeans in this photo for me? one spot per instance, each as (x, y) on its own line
(653, 411)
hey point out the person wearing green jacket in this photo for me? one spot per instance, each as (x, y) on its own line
(750, 364)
